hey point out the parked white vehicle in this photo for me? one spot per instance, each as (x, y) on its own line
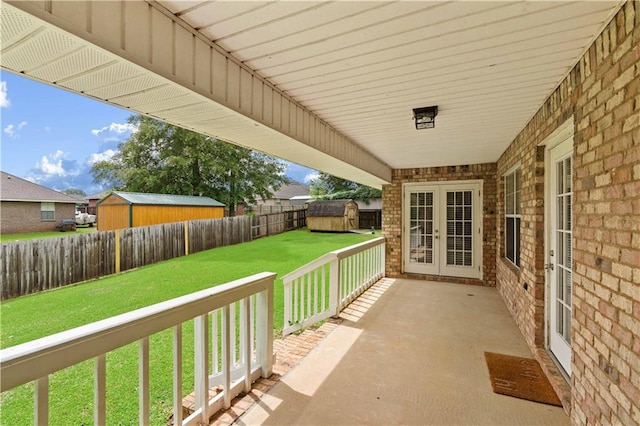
(85, 218)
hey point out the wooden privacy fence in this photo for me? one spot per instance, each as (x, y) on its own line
(36, 265)
(271, 224)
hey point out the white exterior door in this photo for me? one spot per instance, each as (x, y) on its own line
(559, 251)
(442, 229)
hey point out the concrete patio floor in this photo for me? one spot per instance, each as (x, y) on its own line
(413, 356)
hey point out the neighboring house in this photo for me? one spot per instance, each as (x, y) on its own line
(288, 195)
(28, 207)
(91, 202)
(129, 209)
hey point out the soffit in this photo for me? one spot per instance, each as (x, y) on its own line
(350, 72)
(363, 66)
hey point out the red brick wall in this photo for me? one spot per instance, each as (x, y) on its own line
(18, 217)
(392, 215)
(602, 93)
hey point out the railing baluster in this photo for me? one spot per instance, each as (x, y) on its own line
(226, 356)
(302, 304)
(201, 369)
(288, 320)
(252, 327)
(232, 334)
(295, 300)
(143, 385)
(324, 288)
(41, 401)
(177, 375)
(100, 390)
(264, 314)
(245, 329)
(215, 354)
(309, 284)
(315, 291)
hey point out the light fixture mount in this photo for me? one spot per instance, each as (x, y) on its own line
(425, 117)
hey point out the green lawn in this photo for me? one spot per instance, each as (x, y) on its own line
(9, 238)
(34, 316)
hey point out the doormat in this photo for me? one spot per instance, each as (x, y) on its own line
(520, 377)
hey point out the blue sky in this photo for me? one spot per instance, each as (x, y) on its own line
(52, 137)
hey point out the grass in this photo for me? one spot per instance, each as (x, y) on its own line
(10, 238)
(34, 316)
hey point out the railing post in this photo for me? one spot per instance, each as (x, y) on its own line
(334, 286)
(177, 375)
(100, 390)
(264, 306)
(226, 355)
(41, 401)
(143, 381)
(201, 368)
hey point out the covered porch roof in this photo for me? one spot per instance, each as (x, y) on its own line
(328, 85)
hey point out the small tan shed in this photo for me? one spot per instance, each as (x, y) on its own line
(332, 215)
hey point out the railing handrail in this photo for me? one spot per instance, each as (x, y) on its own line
(327, 258)
(31, 360)
(358, 248)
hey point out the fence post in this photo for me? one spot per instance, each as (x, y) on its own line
(117, 251)
(186, 238)
(334, 286)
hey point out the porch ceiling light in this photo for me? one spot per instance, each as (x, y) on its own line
(425, 117)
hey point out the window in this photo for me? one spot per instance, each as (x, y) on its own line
(47, 211)
(512, 216)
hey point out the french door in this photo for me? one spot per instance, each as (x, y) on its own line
(559, 199)
(442, 229)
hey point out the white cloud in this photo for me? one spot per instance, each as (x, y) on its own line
(311, 177)
(118, 128)
(51, 164)
(100, 156)
(12, 130)
(4, 98)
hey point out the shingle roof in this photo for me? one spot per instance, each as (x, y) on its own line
(328, 208)
(291, 190)
(164, 199)
(13, 188)
(98, 196)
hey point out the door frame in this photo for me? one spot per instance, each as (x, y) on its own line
(477, 218)
(564, 132)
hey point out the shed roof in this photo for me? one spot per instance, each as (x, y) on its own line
(13, 188)
(165, 199)
(328, 208)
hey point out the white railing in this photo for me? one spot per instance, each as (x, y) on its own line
(239, 354)
(324, 287)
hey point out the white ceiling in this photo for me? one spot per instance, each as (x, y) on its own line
(363, 66)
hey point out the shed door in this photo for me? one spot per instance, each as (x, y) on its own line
(442, 229)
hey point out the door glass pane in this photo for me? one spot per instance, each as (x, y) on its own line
(459, 228)
(567, 325)
(567, 213)
(563, 264)
(421, 232)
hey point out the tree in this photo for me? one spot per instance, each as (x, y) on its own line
(162, 158)
(75, 191)
(329, 187)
